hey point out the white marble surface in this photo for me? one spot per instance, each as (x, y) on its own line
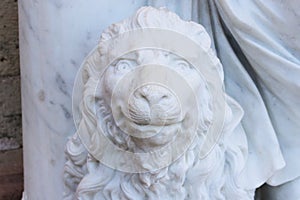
(258, 45)
(268, 34)
(55, 36)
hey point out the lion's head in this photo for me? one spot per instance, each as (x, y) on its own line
(150, 112)
(144, 101)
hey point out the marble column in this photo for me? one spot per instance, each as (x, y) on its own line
(55, 36)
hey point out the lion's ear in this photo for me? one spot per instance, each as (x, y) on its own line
(91, 67)
(85, 75)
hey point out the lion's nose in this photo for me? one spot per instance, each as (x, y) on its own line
(153, 94)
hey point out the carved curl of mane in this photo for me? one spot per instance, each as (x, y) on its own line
(214, 177)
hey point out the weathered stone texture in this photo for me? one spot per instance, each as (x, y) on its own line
(9, 44)
(11, 174)
(10, 104)
(10, 109)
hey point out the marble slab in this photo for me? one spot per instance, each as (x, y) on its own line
(55, 36)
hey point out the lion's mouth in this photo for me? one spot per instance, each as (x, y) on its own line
(156, 125)
(147, 126)
(154, 116)
(155, 120)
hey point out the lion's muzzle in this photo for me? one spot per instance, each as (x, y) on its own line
(154, 104)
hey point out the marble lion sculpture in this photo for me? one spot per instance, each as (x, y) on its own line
(215, 176)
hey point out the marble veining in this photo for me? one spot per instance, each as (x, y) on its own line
(257, 43)
(55, 36)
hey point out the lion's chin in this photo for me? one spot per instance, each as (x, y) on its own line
(160, 136)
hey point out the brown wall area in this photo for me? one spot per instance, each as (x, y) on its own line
(10, 99)
(11, 167)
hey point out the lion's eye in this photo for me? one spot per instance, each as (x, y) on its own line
(123, 66)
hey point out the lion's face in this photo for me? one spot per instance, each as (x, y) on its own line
(151, 111)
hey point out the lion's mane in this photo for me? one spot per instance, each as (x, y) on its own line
(214, 177)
